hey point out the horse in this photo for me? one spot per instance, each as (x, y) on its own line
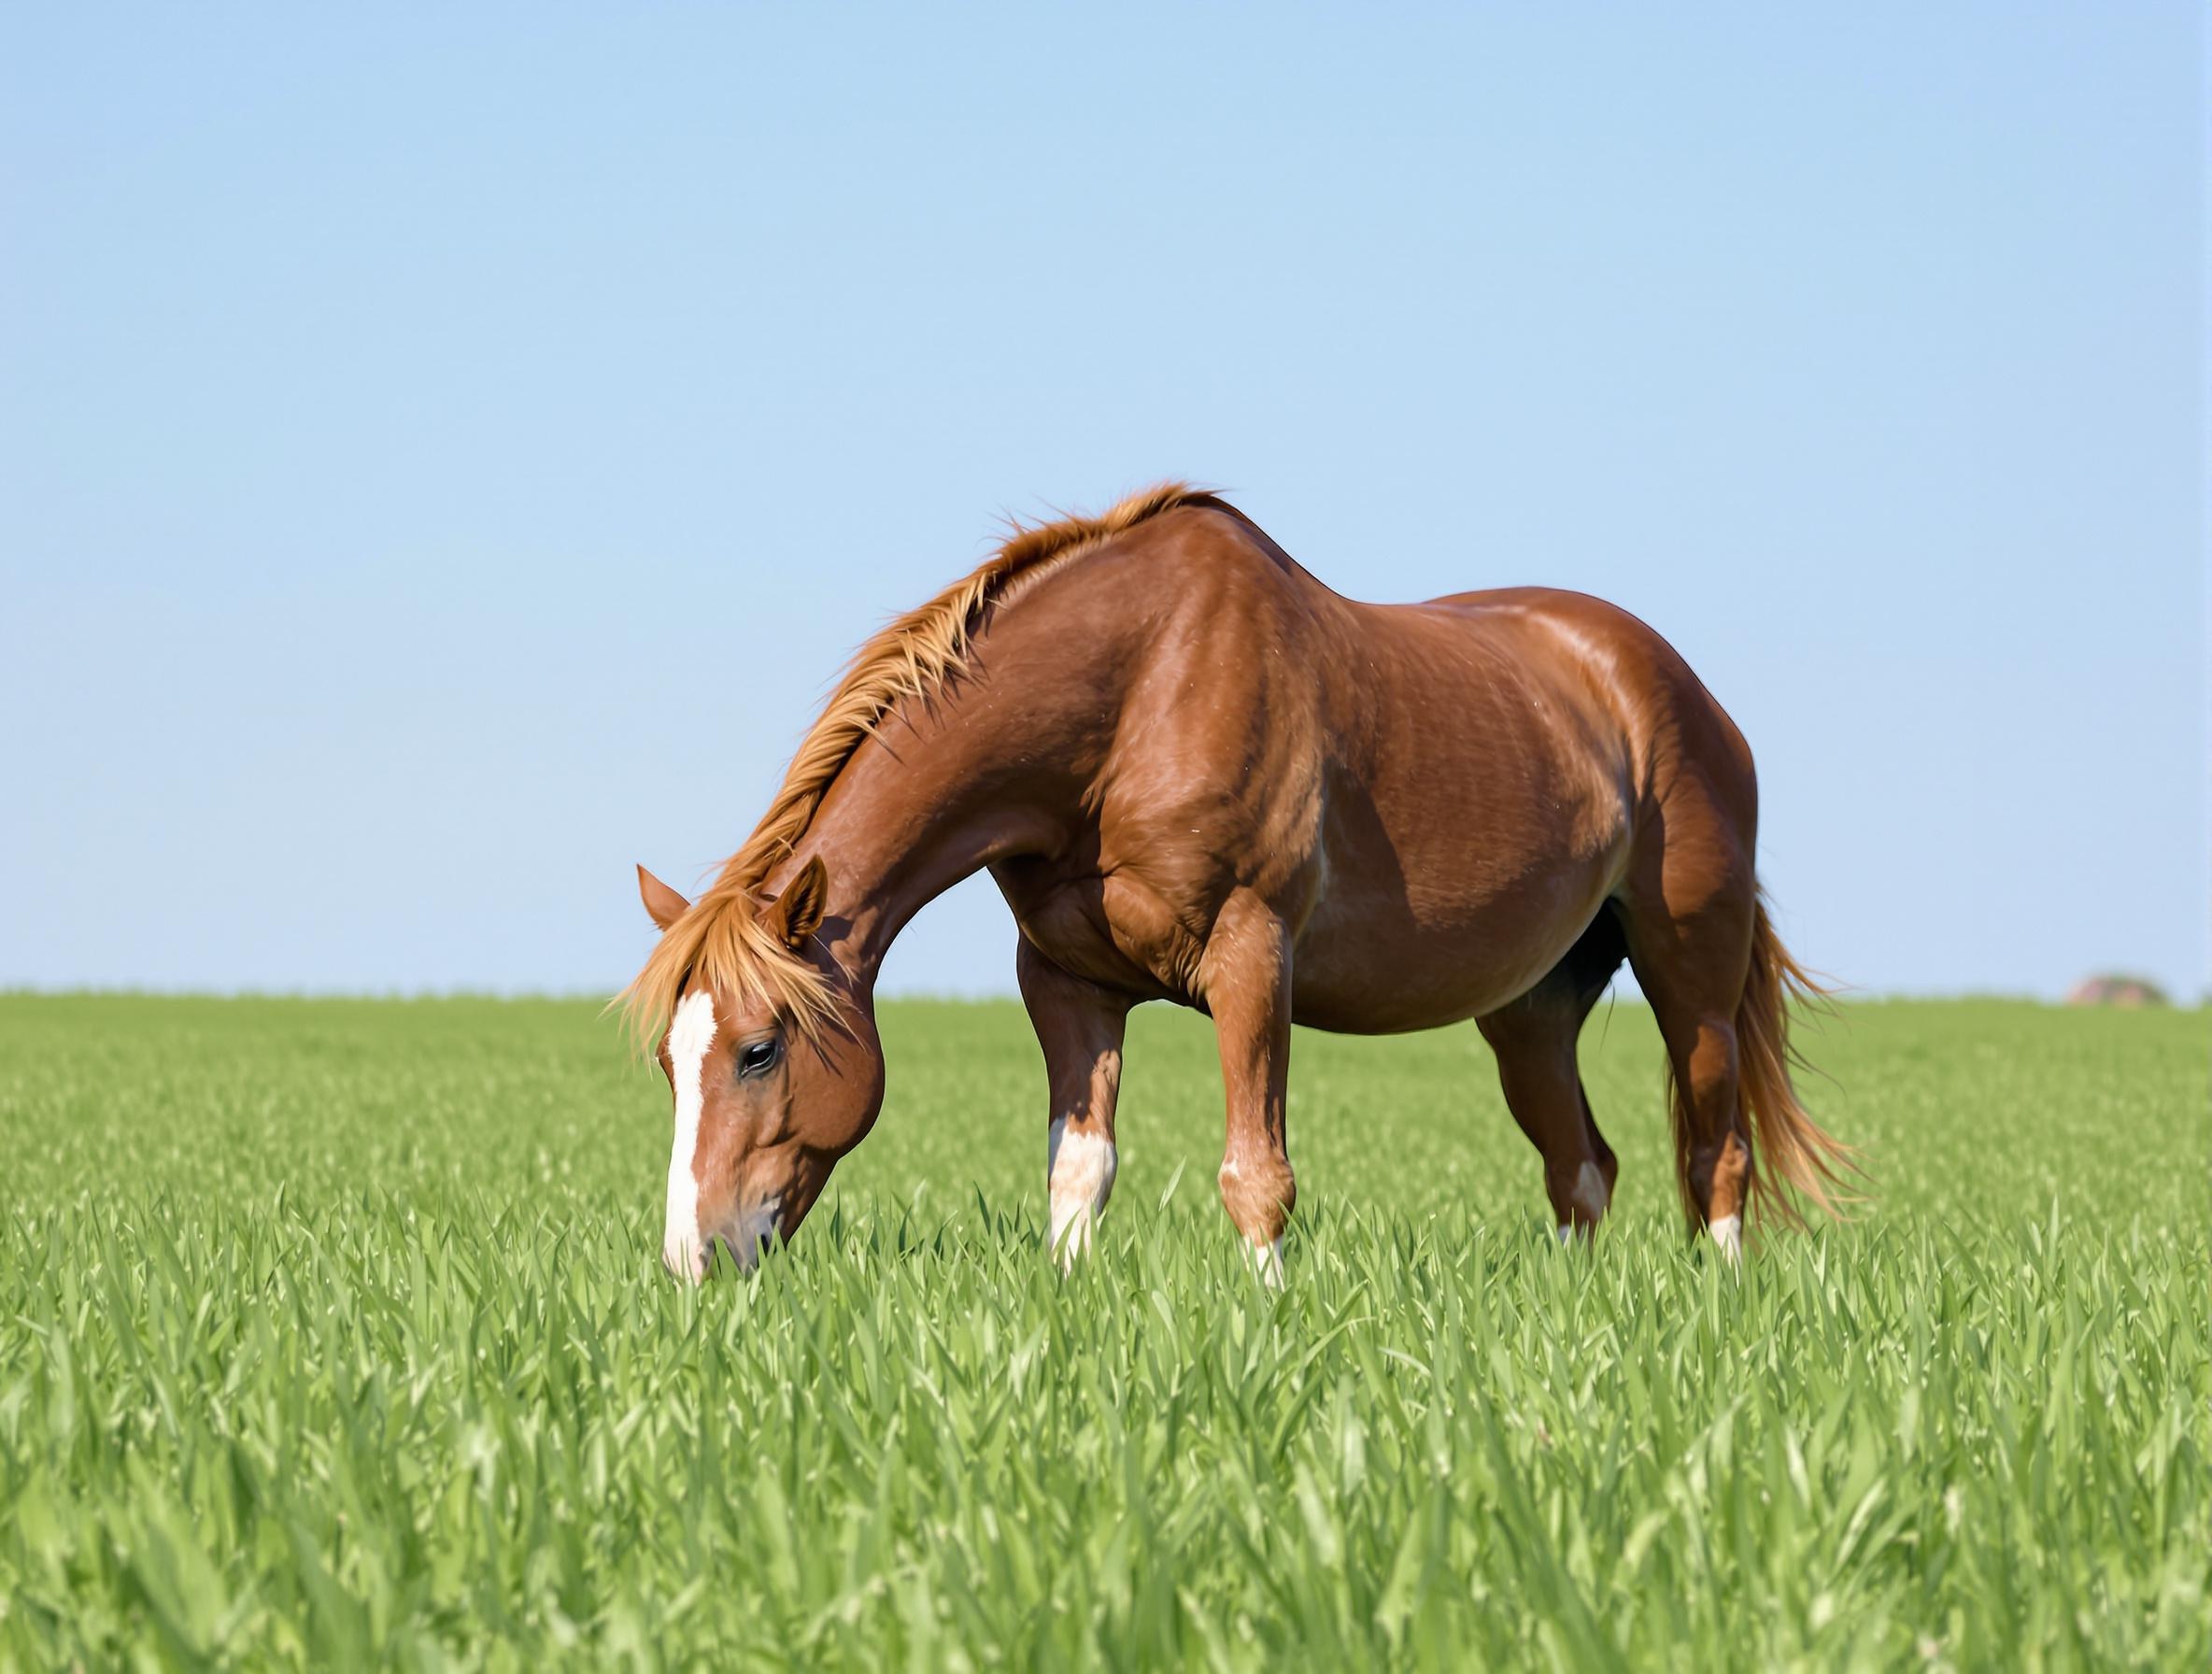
(1199, 774)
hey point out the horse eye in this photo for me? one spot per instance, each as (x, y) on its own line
(756, 1057)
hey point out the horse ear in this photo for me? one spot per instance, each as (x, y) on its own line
(663, 905)
(797, 912)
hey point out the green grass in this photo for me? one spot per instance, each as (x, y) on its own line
(334, 1333)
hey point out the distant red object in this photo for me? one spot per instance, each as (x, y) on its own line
(2125, 991)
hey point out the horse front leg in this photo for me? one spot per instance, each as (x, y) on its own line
(1080, 1025)
(1245, 974)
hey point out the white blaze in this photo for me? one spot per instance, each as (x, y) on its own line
(1728, 1236)
(1267, 1261)
(690, 1033)
(1081, 1167)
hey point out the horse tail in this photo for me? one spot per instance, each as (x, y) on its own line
(1789, 1150)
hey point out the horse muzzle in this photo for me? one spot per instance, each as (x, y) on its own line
(688, 1254)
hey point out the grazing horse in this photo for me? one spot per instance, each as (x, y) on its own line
(1199, 774)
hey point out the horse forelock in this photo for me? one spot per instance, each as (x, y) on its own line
(719, 939)
(719, 944)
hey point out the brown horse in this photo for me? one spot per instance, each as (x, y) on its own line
(1198, 774)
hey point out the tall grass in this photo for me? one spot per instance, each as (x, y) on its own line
(334, 1333)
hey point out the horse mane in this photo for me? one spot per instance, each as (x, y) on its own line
(719, 939)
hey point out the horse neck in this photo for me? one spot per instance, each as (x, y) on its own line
(989, 767)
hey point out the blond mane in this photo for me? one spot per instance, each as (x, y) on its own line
(720, 940)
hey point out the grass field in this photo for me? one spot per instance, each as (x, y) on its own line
(334, 1333)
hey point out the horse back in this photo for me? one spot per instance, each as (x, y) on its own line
(1437, 797)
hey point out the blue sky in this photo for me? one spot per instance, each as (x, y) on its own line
(445, 453)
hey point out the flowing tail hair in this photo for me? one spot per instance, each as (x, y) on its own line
(1793, 1156)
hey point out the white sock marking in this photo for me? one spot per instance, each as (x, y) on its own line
(1267, 1261)
(1590, 1194)
(1728, 1236)
(1080, 1167)
(690, 1033)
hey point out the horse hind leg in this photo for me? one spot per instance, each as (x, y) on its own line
(1689, 914)
(1534, 1040)
(1721, 984)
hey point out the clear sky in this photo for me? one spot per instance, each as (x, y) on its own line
(446, 451)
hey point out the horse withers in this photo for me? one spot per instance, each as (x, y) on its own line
(1199, 774)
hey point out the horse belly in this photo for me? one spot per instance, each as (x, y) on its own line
(1450, 904)
(1353, 983)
